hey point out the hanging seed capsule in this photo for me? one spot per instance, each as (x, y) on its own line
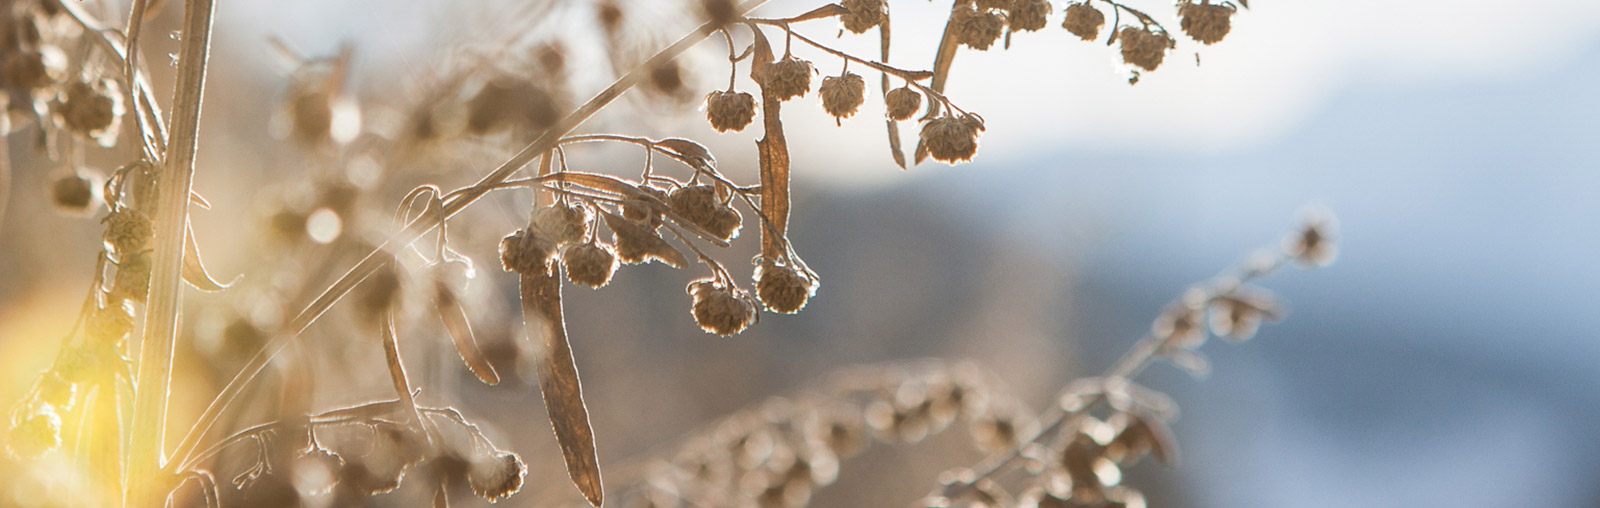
(1084, 21)
(903, 102)
(1205, 22)
(862, 15)
(721, 310)
(730, 111)
(783, 289)
(788, 78)
(843, 95)
(590, 264)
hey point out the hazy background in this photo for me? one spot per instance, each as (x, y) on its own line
(1444, 360)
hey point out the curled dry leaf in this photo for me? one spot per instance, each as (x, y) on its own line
(558, 381)
(194, 271)
(459, 327)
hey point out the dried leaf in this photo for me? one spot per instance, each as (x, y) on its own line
(692, 153)
(558, 381)
(194, 271)
(460, 329)
(774, 157)
(826, 11)
(196, 199)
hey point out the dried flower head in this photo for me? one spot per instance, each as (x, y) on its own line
(638, 210)
(132, 281)
(788, 78)
(497, 477)
(902, 102)
(1029, 15)
(1204, 21)
(1138, 434)
(978, 29)
(1236, 317)
(862, 15)
(590, 264)
(564, 222)
(1313, 246)
(721, 309)
(92, 109)
(73, 194)
(526, 252)
(1084, 21)
(1144, 48)
(783, 288)
(1181, 325)
(35, 434)
(952, 138)
(666, 77)
(110, 325)
(128, 231)
(701, 205)
(509, 101)
(30, 70)
(730, 110)
(992, 4)
(843, 95)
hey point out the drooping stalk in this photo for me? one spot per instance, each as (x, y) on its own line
(175, 178)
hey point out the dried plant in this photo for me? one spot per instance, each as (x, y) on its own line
(80, 84)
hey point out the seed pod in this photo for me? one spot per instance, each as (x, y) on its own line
(952, 138)
(843, 95)
(127, 231)
(782, 288)
(1029, 15)
(1205, 22)
(730, 111)
(978, 29)
(1138, 435)
(1084, 21)
(132, 281)
(35, 434)
(1144, 48)
(862, 15)
(1237, 317)
(700, 205)
(1180, 326)
(788, 78)
(564, 223)
(497, 477)
(590, 264)
(526, 252)
(903, 102)
(721, 310)
(73, 194)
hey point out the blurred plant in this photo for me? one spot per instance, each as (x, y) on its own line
(81, 85)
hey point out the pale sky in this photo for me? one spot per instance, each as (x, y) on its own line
(1051, 91)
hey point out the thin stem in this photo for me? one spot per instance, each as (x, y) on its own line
(377, 259)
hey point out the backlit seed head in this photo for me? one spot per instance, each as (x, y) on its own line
(92, 109)
(843, 95)
(730, 111)
(719, 12)
(132, 281)
(862, 15)
(28, 70)
(700, 205)
(1029, 15)
(590, 264)
(1313, 246)
(783, 289)
(73, 194)
(128, 231)
(35, 434)
(721, 310)
(1144, 48)
(1180, 326)
(526, 252)
(639, 211)
(952, 138)
(56, 391)
(1084, 21)
(1205, 22)
(564, 223)
(638, 243)
(666, 77)
(903, 102)
(788, 78)
(110, 325)
(978, 29)
(497, 476)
